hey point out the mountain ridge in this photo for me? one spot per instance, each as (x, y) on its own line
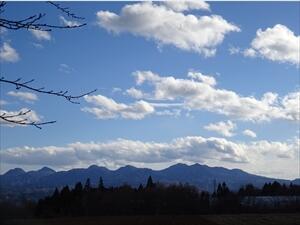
(201, 176)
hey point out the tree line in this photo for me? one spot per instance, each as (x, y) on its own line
(158, 199)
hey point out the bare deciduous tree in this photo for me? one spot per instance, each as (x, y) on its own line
(33, 22)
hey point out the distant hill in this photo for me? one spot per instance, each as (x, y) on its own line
(202, 176)
(296, 181)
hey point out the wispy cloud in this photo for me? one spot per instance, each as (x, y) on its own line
(24, 96)
(107, 108)
(41, 35)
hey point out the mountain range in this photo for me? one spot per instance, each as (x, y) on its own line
(202, 176)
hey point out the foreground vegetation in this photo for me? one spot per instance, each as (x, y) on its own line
(158, 204)
(158, 199)
(241, 219)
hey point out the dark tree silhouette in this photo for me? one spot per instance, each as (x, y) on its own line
(87, 185)
(150, 183)
(101, 184)
(33, 22)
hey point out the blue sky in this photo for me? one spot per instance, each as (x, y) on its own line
(247, 49)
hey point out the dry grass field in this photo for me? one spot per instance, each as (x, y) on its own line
(244, 219)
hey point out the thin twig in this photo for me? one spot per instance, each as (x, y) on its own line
(19, 84)
(15, 119)
(65, 10)
(33, 22)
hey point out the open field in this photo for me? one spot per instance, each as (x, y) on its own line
(244, 219)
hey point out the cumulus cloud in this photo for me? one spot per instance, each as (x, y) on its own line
(249, 133)
(31, 116)
(277, 43)
(280, 149)
(249, 52)
(8, 53)
(202, 95)
(191, 149)
(135, 93)
(224, 128)
(186, 5)
(24, 96)
(203, 78)
(107, 108)
(167, 25)
(41, 35)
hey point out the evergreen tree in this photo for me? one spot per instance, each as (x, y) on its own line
(87, 185)
(150, 183)
(101, 184)
(140, 188)
(55, 194)
(78, 188)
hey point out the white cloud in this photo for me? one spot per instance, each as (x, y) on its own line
(41, 35)
(224, 128)
(135, 93)
(70, 23)
(107, 108)
(249, 133)
(249, 52)
(277, 43)
(169, 112)
(24, 96)
(291, 104)
(234, 50)
(200, 34)
(203, 78)
(213, 151)
(8, 53)
(192, 149)
(280, 149)
(186, 5)
(199, 95)
(31, 116)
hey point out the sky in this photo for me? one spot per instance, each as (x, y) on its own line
(214, 83)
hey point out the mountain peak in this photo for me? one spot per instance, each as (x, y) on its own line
(46, 170)
(93, 166)
(15, 172)
(126, 168)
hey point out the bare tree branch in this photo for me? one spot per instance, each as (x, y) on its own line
(33, 22)
(65, 10)
(18, 119)
(20, 84)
